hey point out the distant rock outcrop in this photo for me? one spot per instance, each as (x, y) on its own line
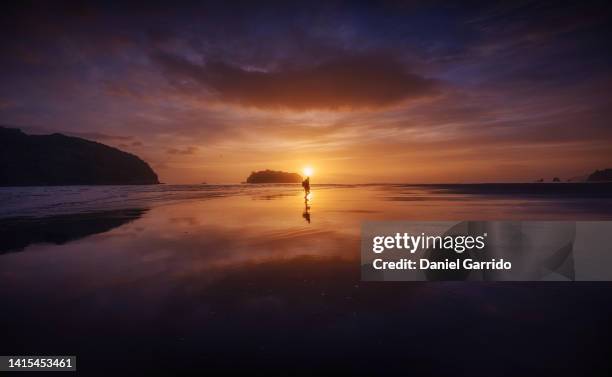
(601, 176)
(271, 176)
(42, 160)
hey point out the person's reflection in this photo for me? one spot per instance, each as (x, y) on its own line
(306, 213)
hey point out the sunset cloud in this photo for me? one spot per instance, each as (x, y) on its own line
(346, 82)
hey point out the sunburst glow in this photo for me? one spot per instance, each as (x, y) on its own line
(308, 171)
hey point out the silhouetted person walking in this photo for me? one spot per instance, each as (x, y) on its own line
(306, 186)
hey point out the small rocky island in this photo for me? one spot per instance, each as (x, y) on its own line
(50, 160)
(604, 175)
(272, 176)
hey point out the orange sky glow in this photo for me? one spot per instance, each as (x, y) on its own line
(395, 93)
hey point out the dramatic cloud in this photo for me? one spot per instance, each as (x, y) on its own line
(346, 82)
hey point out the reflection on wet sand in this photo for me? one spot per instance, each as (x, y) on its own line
(306, 213)
(203, 283)
(17, 233)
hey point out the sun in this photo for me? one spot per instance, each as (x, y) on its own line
(308, 171)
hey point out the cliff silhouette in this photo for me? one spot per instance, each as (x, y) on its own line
(45, 160)
(272, 176)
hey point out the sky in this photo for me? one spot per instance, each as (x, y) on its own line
(395, 91)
